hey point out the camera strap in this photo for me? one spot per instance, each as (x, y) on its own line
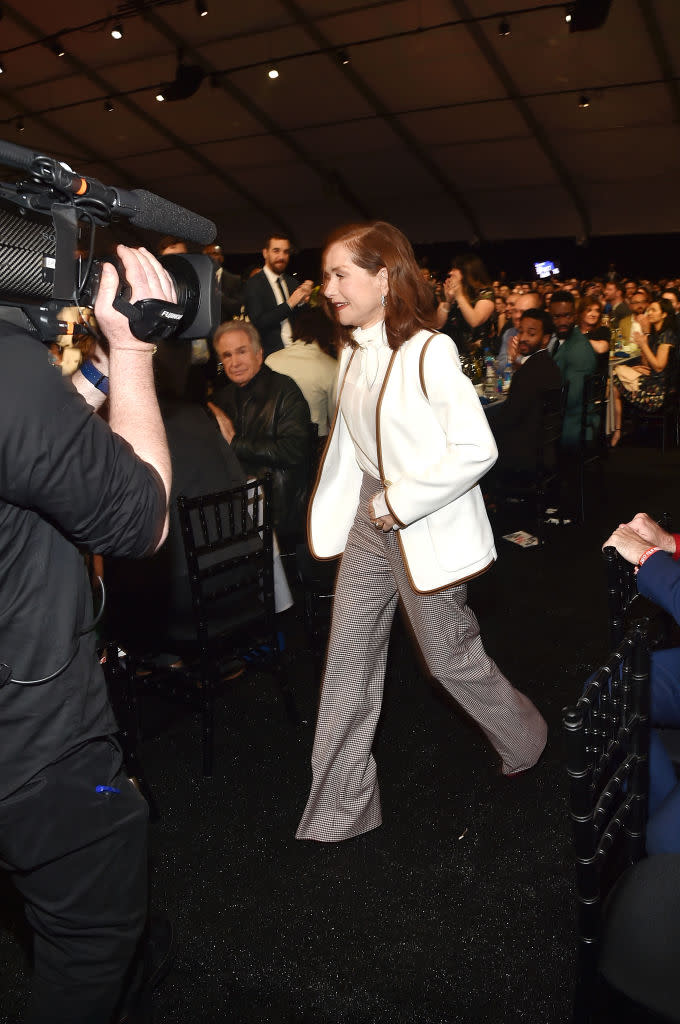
(150, 319)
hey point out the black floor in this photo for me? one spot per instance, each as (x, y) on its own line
(459, 908)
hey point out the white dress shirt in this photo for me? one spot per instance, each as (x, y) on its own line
(286, 329)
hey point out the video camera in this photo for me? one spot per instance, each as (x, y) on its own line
(47, 231)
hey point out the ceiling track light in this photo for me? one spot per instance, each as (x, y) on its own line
(2, 68)
(201, 8)
(583, 103)
(20, 124)
(569, 14)
(108, 107)
(504, 28)
(342, 57)
(57, 49)
(273, 73)
(117, 32)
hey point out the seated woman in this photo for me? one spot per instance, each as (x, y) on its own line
(468, 313)
(589, 320)
(645, 385)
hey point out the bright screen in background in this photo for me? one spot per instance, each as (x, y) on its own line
(546, 269)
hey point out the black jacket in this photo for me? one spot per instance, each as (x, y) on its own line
(273, 433)
(266, 311)
(515, 423)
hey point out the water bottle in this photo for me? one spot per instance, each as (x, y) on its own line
(507, 378)
(490, 378)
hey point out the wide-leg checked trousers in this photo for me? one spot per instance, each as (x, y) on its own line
(344, 800)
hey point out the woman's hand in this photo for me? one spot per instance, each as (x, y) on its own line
(384, 523)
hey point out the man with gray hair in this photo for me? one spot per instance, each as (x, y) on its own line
(265, 419)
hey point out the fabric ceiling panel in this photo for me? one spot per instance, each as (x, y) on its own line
(634, 107)
(541, 54)
(466, 125)
(518, 162)
(526, 213)
(309, 89)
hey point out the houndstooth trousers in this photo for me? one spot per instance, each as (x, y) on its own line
(344, 800)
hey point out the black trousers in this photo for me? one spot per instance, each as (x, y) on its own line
(79, 858)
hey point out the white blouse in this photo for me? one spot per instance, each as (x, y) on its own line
(359, 400)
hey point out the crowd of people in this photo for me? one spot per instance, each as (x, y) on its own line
(382, 360)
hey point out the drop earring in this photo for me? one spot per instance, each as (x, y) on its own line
(383, 300)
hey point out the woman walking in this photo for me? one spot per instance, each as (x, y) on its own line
(397, 494)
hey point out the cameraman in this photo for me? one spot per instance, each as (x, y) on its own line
(72, 826)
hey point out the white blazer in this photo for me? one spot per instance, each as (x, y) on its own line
(434, 445)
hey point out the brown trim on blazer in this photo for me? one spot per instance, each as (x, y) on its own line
(421, 361)
(326, 558)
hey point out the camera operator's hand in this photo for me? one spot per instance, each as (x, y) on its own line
(147, 280)
(133, 407)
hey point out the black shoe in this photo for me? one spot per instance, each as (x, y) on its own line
(155, 956)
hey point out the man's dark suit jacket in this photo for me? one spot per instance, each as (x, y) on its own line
(515, 424)
(266, 311)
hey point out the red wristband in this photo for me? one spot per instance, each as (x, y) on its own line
(676, 538)
(644, 556)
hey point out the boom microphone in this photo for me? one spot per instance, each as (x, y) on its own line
(146, 210)
(106, 202)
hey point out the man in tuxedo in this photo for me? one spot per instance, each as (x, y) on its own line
(270, 298)
(575, 358)
(515, 423)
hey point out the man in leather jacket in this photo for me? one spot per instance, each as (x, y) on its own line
(263, 415)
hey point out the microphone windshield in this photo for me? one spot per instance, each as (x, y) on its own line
(147, 210)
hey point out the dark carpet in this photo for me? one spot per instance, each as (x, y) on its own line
(460, 907)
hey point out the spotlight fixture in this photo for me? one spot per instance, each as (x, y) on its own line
(160, 97)
(201, 8)
(569, 14)
(117, 32)
(20, 124)
(57, 49)
(108, 107)
(2, 68)
(342, 57)
(273, 73)
(504, 28)
(583, 103)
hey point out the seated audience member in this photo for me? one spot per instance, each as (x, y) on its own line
(645, 385)
(307, 362)
(171, 246)
(575, 360)
(515, 423)
(589, 319)
(467, 313)
(508, 351)
(150, 601)
(673, 296)
(264, 418)
(620, 314)
(643, 543)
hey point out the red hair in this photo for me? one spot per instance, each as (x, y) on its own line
(409, 303)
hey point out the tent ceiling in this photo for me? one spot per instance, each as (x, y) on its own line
(437, 123)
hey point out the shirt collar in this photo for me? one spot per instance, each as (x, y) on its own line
(371, 337)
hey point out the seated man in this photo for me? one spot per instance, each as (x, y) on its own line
(575, 358)
(516, 422)
(265, 419)
(646, 545)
